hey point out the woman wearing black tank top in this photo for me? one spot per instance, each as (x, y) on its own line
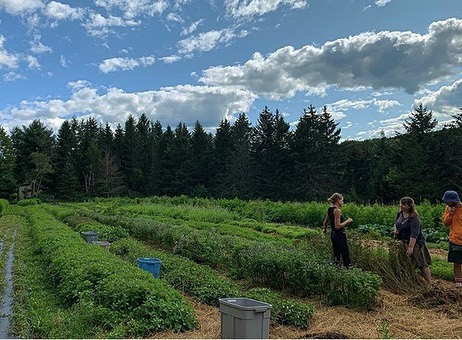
(335, 219)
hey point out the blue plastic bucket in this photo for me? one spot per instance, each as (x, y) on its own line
(150, 264)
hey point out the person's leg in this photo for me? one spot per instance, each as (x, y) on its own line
(458, 274)
(345, 253)
(426, 274)
(335, 249)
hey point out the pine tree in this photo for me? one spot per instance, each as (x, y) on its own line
(420, 121)
(8, 184)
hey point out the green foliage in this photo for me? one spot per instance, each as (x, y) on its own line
(284, 311)
(3, 206)
(304, 273)
(207, 286)
(442, 269)
(82, 271)
(29, 201)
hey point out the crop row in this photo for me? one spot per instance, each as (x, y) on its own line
(82, 273)
(198, 281)
(276, 265)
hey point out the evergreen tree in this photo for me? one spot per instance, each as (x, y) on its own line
(154, 180)
(420, 121)
(222, 156)
(201, 159)
(143, 153)
(270, 154)
(167, 175)
(317, 164)
(129, 155)
(89, 154)
(66, 176)
(34, 146)
(8, 184)
(239, 167)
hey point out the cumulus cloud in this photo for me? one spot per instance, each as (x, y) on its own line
(170, 105)
(124, 64)
(207, 41)
(380, 60)
(16, 7)
(7, 60)
(100, 26)
(134, 8)
(250, 8)
(445, 102)
(59, 11)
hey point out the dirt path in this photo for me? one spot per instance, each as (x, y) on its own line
(6, 306)
(432, 313)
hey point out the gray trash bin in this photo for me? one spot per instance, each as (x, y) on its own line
(89, 236)
(243, 318)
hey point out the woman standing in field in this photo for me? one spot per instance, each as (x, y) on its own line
(408, 229)
(452, 218)
(337, 223)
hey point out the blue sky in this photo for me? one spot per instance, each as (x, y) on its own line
(369, 61)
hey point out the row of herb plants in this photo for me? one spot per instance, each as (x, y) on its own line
(133, 303)
(396, 272)
(355, 288)
(310, 214)
(199, 281)
(375, 219)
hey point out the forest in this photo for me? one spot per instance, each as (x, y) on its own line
(268, 161)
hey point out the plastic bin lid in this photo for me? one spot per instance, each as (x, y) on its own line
(89, 233)
(148, 259)
(244, 303)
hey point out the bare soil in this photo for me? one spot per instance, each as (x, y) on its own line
(433, 312)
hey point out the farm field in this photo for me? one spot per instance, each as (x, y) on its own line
(274, 252)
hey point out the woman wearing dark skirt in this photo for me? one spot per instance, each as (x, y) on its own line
(335, 219)
(408, 229)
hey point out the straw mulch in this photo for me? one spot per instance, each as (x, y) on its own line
(433, 312)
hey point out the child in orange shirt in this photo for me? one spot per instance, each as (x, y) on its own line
(452, 218)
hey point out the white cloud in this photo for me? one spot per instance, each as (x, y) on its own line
(381, 3)
(249, 8)
(170, 105)
(380, 61)
(445, 102)
(134, 8)
(207, 41)
(100, 26)
(12, 76)
(32, 62)
(7, 60)
(124, 64)
(63, 61)
(192, 28)
(37, 47)
(16, 7)
(59, 11)
(170, 59)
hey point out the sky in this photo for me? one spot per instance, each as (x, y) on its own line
(370, 62)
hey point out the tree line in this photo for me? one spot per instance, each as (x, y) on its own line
(266, 161)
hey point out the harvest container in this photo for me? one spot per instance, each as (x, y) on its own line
(89, 236)
(243, 318)
(150, 264)
(102, 244)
